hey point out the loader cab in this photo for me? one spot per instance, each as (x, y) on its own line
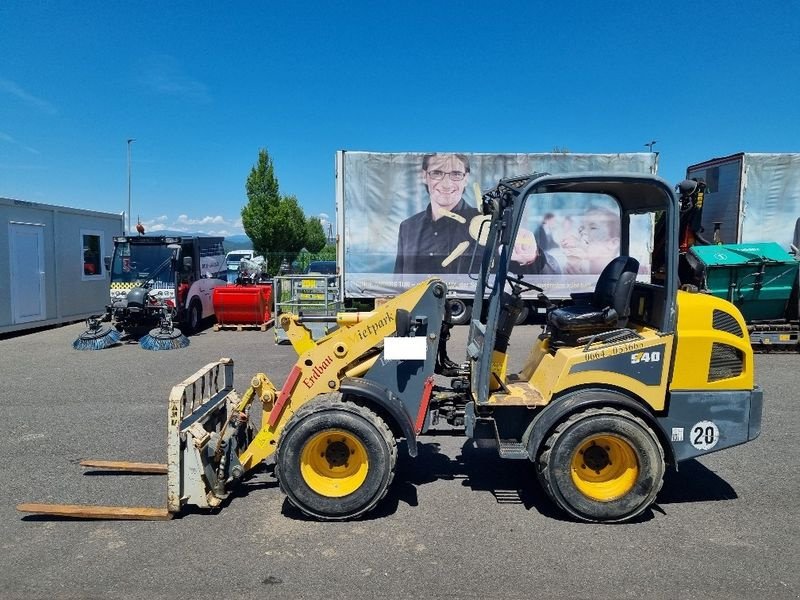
(611, 287)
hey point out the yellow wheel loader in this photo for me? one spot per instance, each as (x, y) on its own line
(623, 382)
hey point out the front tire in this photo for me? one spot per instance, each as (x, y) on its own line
(602, 465)
(335, 460)
(194, 317)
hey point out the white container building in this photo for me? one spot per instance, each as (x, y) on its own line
(52, 267)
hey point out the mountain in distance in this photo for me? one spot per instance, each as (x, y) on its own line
(237, 242)
(232, 242)
(238, 239)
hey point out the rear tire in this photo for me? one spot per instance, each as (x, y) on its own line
(460, 311)
(602, 465)
(523, 315)
(335, 460)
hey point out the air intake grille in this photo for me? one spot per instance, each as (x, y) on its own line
(725, 322)
(726, 362)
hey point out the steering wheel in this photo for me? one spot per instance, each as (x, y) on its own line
(518, 281)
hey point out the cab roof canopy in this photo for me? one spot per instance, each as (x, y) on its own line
(635, 193)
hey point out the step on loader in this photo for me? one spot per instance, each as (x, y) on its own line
(621, 384)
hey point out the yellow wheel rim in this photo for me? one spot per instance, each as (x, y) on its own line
(334, 463)
(604, 468)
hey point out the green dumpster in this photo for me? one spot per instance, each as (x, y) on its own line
(758, 278)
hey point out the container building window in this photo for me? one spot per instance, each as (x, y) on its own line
(92, 255)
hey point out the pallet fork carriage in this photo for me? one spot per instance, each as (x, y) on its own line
(202, 424)
(622, 383)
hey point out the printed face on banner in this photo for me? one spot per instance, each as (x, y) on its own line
(446, 178)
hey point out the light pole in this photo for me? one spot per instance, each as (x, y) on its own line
(130, 141)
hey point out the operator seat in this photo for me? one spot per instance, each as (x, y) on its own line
(605, 309)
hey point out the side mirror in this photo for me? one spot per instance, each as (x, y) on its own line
(107, 262)
(187, 263)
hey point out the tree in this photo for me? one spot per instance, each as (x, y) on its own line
(328, 252)
(263, 200)
(276, 224)
(290, 236)
(315, 235)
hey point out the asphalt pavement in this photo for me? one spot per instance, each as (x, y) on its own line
(458, 521)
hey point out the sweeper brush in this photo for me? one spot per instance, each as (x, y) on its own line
(97, 336)
(164, 337)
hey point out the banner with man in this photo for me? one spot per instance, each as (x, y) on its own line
(404, 217)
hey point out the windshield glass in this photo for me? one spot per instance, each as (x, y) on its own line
(235, 257)
(566, 235)
(140, 263)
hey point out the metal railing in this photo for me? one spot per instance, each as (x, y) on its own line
(316, 295)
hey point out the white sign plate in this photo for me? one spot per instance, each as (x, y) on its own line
(405, 348)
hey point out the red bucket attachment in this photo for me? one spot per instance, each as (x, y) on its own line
(243, 304)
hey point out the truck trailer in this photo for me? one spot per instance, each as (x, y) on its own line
(754, 197)
(381, 205)
(751, 212)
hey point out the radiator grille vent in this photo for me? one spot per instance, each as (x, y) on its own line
(726, 362)
(725, 322)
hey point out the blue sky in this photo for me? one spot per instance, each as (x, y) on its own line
(202, 86)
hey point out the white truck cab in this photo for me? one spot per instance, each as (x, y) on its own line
(232, 260)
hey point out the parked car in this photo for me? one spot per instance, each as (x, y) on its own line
(321, 267)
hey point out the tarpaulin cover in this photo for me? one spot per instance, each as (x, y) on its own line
(755, 196)
(376, 192)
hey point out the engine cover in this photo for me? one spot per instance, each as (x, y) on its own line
(137, 298)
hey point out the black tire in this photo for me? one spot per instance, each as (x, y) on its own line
(194, 317)
(312, 459)
(460, 311)
(523, 315)
(579, 476)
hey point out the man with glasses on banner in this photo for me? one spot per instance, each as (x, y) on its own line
(437, 240)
